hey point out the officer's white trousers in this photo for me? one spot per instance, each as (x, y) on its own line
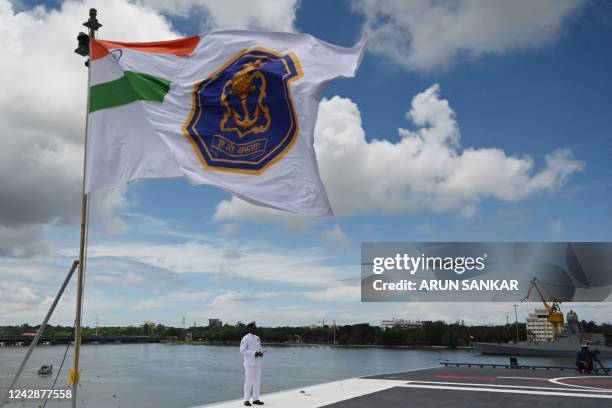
(252, 382)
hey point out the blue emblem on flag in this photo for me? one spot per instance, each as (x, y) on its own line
(243, 118)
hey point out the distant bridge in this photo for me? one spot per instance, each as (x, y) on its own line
(20, 340)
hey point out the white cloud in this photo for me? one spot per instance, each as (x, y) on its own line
(426, 170)
(555, 226)
(172, 299)
(468, 211)
(237, 209)
(29, 286)
(116, 226)
(241, 297)
(426, 227)
(422, 35)
(337, 294)
(255, 262)
(42, 110)
(16, 297)
(42, 106)
(116, 272)
(23, 241)
(335, 238)
(272, 15)
(229, 229)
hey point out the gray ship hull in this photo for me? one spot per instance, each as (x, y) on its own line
(563, 347)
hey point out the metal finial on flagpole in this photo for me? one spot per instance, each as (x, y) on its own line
(92, 23)
(84, 48)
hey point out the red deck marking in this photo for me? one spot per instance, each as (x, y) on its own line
(460, 377)
(543, 379)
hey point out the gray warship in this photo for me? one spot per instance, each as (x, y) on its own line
(567, 343)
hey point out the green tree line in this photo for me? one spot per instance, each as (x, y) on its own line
(436, 333)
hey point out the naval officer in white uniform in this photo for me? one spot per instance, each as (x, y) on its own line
(250, 347)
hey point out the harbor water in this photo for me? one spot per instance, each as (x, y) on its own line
(183, 375)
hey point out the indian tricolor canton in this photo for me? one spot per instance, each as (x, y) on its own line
(233, 109)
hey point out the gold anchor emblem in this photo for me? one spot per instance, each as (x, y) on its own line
(242, 85)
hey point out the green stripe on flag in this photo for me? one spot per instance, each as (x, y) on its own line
(132, 86)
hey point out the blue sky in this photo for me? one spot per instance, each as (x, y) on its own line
(161, 250)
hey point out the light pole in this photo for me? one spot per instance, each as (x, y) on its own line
(516, 322)
(334, 332)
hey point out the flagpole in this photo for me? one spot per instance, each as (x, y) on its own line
(93, 25)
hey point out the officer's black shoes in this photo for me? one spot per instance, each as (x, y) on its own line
(247, 403)
(258, 402)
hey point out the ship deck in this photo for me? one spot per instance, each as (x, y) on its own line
(459, 387)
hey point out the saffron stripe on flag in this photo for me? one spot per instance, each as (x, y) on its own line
(181, 47)
(131, 87)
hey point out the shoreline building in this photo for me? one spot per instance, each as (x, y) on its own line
(539, 327)
(401, 323)
(148, 327)
(214, 323)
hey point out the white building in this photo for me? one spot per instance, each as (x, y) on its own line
(402, 323)
(538, 326)
(214, 323)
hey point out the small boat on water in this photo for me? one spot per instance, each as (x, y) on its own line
(45, 369)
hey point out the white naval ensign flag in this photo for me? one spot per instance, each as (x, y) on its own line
(232, 109)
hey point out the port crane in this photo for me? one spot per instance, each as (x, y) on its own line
(555, 316)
